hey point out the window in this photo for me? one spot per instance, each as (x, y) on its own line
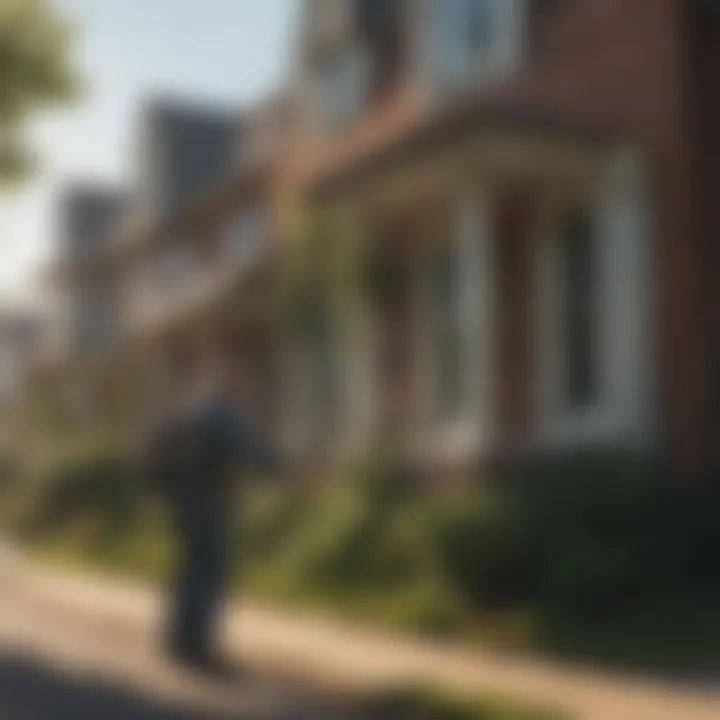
(376, 17)
(380, 26)
(342, 85)
(477, 40)
(477, 26)
(580, 326)
(467, 31)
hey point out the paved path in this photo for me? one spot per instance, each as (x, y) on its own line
(60, 663)
(319, 651)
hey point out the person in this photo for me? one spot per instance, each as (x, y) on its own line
(194, 453)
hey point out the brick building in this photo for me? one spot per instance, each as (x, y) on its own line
(542, 178)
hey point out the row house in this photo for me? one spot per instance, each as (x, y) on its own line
(540, 182)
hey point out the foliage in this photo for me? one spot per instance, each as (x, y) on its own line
(100, 483)
(625, 559)
(35, 71)
(601, 556)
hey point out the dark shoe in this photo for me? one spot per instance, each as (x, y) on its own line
(208, 663)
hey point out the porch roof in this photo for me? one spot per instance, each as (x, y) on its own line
(459, 122)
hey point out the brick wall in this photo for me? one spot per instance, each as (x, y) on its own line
(625, 64)
(705, 43)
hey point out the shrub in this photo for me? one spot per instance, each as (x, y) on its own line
(623, 557)
(482, 551)
(101, 483)
(600, 554)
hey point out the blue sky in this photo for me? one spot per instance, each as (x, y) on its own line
(225, 51)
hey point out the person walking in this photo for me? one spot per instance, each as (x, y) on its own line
(195, 453)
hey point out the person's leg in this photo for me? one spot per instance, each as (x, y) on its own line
(209, 587)
(180, 599)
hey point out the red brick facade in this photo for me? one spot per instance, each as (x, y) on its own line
(626, 64)
(705, 44)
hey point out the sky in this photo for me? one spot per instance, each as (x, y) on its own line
(219, 51)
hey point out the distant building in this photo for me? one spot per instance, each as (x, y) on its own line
(183, 150)
(20, 339)
(87, 217)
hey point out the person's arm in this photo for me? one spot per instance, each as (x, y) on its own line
(247, 446)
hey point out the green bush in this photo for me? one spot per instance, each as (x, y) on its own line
(599, 555)
(625, 559)
(482, 550)
(101, 484)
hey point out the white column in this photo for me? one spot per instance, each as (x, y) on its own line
(477, 309)
(547, 336)
(623, 232)
(355, 344)
(360, 381)
(472, 431)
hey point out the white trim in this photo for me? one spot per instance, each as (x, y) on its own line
(623, 412)
(472, 431)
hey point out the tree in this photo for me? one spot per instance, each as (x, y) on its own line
(36, 72)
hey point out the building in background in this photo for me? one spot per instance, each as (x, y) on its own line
(87, 216)
(534, 183)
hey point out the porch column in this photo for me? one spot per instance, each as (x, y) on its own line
(358, 353)
(623, 231)
(477, 308)
(358, 360)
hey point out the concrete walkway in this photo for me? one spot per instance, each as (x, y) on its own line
(330, 653)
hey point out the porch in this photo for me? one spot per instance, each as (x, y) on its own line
(519, 317)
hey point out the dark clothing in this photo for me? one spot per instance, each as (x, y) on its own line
(194, 462)
(201, 531)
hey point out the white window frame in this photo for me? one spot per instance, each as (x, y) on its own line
(623, 410)
(451, 68)
(471, 431)
(341, 87)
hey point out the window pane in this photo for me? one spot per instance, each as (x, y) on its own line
(478, 26)
(467, 29)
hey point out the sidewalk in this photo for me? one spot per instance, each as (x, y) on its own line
(334, 654)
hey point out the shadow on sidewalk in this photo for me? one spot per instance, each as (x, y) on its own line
(31, 689)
